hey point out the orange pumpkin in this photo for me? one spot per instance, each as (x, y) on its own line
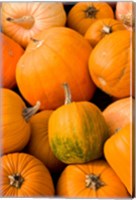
(50, 59)
(38, 144)
(124, 13)
(23, 175)
(83, 14)
(14, 126)
(101, 28)
(119, 113)
(118, 153)
(91, 180)
(110, 64)
(10, 54)
(23, 20)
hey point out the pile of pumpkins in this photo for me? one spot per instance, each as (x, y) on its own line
(55, 141)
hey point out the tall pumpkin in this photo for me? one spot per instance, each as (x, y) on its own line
(83, 14)
(55, 56)
(14, 125)
(22, 175)
(95, 179)
(23, 20)
(10, 54)
(110, 64)
(118, 151)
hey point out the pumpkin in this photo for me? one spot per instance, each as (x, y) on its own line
(24, 176)
(118, 114)
(38, 144)
(110, 64)
(50, 59)
(95, 179)
(23, 20)
(101, 28)
(124, 13)
(77, 131)
(83, 14)
(10, 54)
(14, 126)
(118, 153)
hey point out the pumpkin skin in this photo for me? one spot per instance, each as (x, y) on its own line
(38, 144)
(118, 114)
(110, 64)
(95, 179)
(101, 28)
(36, 179)
(10, 54)
(118, 153)
(14, 127)
(21, 21)
(48, 55)
(83, 14)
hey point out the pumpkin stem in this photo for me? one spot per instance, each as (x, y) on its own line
(37, 42)
(93, 181)
(28, 112)
(107, 29)
(91, 12)
(26, 21)
(16, 180)
(67, 93)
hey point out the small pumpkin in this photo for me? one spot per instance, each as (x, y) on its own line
(118, 114)
(51, 58)
(10, 54)
(23, 175)
(110, 64)
(95, 179)
(38, 144)
(83, 14)
(119, 155)
(23, 20)
(124, 13)
(101, 28)
(14, 126)
(77, 131)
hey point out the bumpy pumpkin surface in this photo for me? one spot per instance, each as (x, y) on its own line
(92, 180)
(118, 151)
(55, 56)
(23, 20)
(22, 175)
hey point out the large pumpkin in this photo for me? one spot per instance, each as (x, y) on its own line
(83, 14)
(14, 126)
(119, 113)
(10, 54)
(110, 64)
(101, 28)
(23, 20)
(38, 144)
(22, 175)
(118, 150)
(55, 56)
(91, 180)
(77, 131)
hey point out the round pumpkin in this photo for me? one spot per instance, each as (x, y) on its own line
(95, 179)
(101, 28)
(23, 175)
(14, 126)
(38, 144)
(110, 64)
(10, 54)
(23, 20)
(118, 114)
(50, 59)
(77, 131)
(118, 153)
(83, 14)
